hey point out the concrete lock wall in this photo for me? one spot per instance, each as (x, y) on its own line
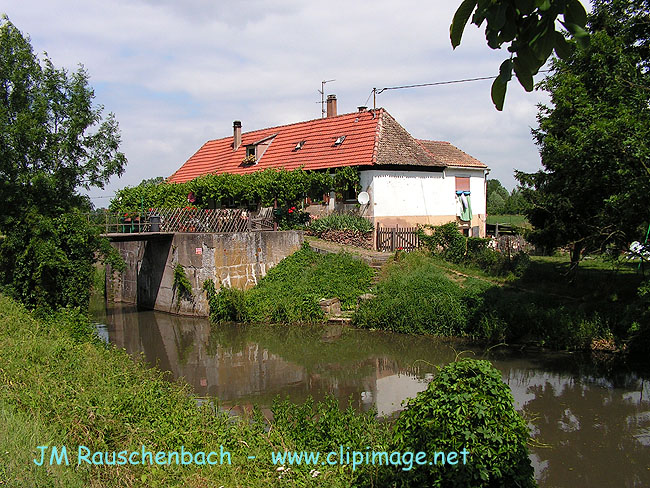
(236, 260)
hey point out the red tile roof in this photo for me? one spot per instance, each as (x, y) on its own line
(449, 155)
(371, 138)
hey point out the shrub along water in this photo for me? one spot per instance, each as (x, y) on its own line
(291, 290)
(418, 294)
(415, 296)
(468, 410)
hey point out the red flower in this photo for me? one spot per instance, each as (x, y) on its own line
(290, 210)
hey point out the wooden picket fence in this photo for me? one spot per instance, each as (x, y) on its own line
(394, 238)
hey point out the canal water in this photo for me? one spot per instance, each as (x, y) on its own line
(590, 418)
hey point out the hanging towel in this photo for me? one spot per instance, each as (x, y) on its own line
(466, 213)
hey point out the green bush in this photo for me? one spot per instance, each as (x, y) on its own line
(267, 187)
(415, 296)
(447, 242)
(47, 263)
(290, 218)
(341, 222)
(227, 304)
(466, 407)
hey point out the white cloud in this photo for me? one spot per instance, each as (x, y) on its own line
(178, 73)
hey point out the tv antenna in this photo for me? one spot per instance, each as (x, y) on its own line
(322, 97)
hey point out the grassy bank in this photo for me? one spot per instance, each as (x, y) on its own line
(290, 291)
(423, 294)
(60, 386)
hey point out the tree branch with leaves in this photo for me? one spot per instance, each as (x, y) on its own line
(529, 29)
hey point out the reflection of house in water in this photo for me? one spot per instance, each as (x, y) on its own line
(244, 372)
(179, 346)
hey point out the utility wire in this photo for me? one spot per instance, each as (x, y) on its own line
(441, 83)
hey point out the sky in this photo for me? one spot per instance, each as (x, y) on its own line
(178, 73)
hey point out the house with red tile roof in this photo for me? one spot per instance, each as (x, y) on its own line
(408, 181)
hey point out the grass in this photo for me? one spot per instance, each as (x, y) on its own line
(62, 386)
(509, 219)
(415, 296)
(423, 294)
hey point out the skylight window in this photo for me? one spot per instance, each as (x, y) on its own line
(339, 141)
(299, 146)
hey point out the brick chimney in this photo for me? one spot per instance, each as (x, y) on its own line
(331, 105)
(236, 135)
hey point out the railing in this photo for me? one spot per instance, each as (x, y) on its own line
(184, 220)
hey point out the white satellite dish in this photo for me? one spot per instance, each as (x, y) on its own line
(363, 198)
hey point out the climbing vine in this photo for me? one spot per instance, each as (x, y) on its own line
(226, 189)
(182, 284)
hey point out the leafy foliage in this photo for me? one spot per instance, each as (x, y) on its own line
(53, 140)
(466, 406)
(341, 222)
(593, 139)
(528, 27)
(182, 284)
(448, 243)
(263, 187)
(48, 262)
(291, 218)
(226, 305)
(500, 201)
(415, 296)
(72, 389)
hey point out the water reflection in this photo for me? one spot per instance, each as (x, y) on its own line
(591, 421)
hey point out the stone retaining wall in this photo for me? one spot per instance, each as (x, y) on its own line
(237, 260)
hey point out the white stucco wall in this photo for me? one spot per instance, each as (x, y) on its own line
(420, 193)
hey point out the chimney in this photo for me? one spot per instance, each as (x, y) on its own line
(236, 136)
(331, 105)
(362, 108)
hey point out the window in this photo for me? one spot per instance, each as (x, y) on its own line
(299, 146)
(350, 195)
(462, 183)
(250, 151)
(339, 140)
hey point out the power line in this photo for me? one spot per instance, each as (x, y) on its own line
(376, 91)
(434, 83)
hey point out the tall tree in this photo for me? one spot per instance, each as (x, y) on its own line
(594, 138)
(53, 141)
(497, 196)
